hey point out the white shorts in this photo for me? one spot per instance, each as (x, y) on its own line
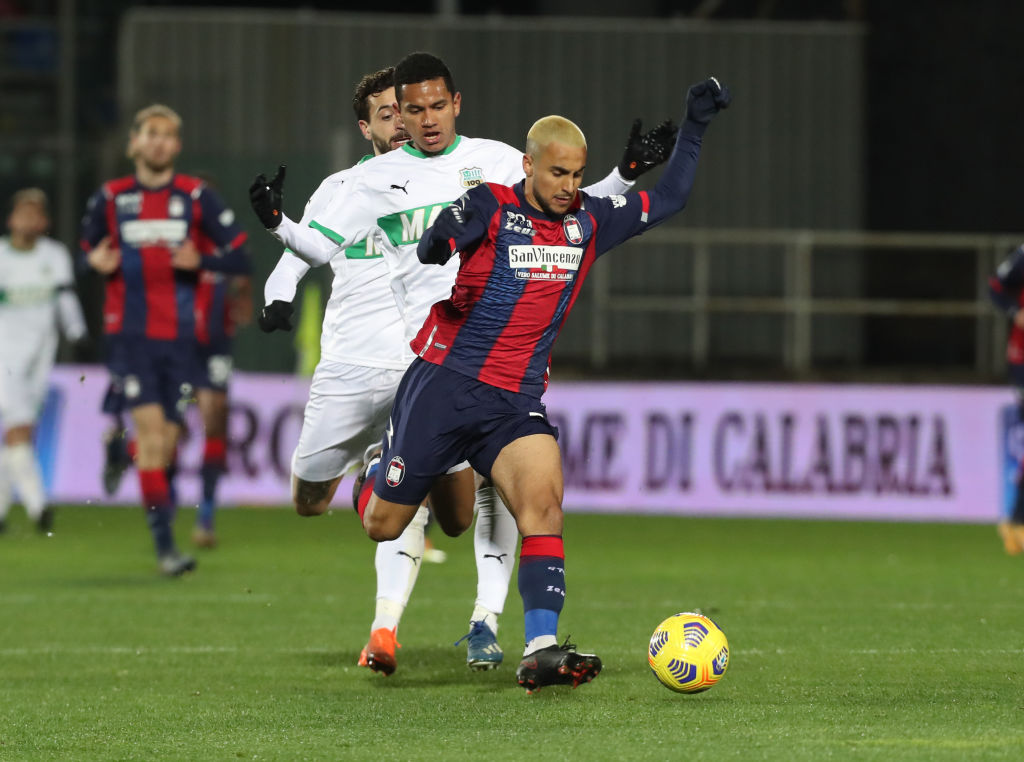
(347, 411)
(24, 381)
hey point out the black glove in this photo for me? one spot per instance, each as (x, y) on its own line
(644, 152)
(267, 198)
(276, 316)
(705, 99)
(450, 223)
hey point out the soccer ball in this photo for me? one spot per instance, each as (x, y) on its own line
(688, 653)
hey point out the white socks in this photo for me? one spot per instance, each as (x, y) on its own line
(495, 537)
(398, 564)
(20, 468)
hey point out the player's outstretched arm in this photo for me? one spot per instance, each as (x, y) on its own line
(266, 198)
(703, 101)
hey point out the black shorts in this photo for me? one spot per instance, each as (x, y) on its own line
(145, 371)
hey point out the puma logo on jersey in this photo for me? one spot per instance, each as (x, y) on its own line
(415, 559)
(499, 557)
(401, 187)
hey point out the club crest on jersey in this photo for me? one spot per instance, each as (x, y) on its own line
(175, 206)
(471, 177)
(573, 231)
(544, 262)
(395, 472)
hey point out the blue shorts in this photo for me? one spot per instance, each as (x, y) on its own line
(215, 364)
(441, 418)
(145, 371)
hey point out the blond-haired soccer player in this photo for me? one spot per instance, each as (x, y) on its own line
(149, 235)
(474, 390)
(36, 295)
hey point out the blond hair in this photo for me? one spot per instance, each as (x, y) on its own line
(553, 129)
(149, 112)
(35, 196)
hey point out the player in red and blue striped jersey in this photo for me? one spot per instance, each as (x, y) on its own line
(474, 391)
(150, 235)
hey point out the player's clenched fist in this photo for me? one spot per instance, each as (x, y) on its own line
(276, 316)
(450, 225)
(705, 99)
(266, 198)
(451, 222)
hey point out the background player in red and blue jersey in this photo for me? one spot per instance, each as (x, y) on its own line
(1006, 289)
(223, 303)
(474, 391)
(150, 235)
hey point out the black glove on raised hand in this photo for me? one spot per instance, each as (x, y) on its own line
(705, 99)
(276, 316)
(646, 151)
(266, 198)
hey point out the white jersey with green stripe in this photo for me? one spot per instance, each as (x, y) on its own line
(397, 196)
(362, 325)
(389, 201)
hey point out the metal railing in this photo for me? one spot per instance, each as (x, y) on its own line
(802, 251)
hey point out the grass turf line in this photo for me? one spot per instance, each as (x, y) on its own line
(849, 640)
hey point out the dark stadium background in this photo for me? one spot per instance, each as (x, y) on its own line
(941, 131)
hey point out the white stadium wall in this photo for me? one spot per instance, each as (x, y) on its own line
(728, 449)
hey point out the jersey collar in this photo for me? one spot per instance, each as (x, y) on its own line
(409, 149)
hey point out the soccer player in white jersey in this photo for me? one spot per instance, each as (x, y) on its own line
(36, 293)
(361, 361)
(383, 206)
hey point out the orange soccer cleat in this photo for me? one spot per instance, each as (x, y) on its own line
(379, 653)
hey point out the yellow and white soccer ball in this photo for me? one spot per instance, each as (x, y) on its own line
(688, 653)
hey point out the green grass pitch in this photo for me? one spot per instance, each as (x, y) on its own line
(863, 641)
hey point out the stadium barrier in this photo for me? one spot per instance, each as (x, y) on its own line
(737, 449)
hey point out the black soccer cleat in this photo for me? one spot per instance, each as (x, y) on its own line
(557, 665)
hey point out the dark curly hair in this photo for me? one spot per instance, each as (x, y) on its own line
(419, 67)
(371, 84)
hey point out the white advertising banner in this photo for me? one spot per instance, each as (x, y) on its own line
(829, 451)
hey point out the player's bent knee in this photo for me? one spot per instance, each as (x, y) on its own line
(541, 517)
(381, 528)
(311, 498)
